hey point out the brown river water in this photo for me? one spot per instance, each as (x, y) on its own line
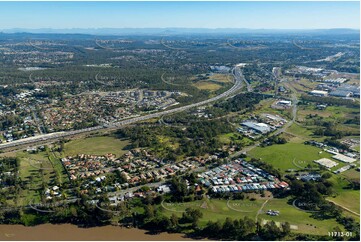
(72, 232)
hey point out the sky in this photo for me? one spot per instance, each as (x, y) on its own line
(254, 15)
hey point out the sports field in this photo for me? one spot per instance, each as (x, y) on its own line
(289, 156)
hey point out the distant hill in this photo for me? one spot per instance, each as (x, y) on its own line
(176, 31)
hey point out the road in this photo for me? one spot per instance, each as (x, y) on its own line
(237, 73)
(279, 131)
(343, 207)
(294, 115)
(57, 135)
(37, 120)
(167, 82)
(260, 210)
(151, 185)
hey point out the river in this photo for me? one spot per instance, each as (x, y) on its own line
(72, 232)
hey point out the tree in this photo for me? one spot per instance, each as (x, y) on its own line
(158, 223)
(149, 211)
(192, 216)
(212, 229)
(247, 226)
(228, 229)
(270, 231)
(174, 222)
(286, 228)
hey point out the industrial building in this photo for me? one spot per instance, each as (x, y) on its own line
(284, 102)
(319, 93)
(258, 127)
(346, 91)
(343, 158)
(326, 162)
(337, 80)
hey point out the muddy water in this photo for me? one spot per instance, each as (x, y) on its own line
(72, 232)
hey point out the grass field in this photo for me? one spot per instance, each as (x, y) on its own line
(30, 174)
(219, 209)
(303, 220)
(348, 198)
(332, 113)
(214, 82)
(227, 138)
(221, 78)
(59, 169)
(284, 156)
(352, 174)
(300, 131)
(96, 146)
(216, 209)
(207, 85)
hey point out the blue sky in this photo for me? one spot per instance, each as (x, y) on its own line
(268, 15)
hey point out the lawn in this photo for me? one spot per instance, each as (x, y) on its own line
(300, 131)
(220, 209)
(216, 209)
(285, 156)
(352, 174)
(303, 220)
(96, 146)
(59, 169)
(348, 198)
(30, 174)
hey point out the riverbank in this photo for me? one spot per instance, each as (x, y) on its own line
(50, 232)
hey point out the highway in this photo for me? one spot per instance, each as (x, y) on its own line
(238, 76)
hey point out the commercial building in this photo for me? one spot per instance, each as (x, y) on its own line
(326, 162)
(258, 127)
(337, 80)
(319, 93)
(346, 91)
(338, 93)
(285, 103)
(343, 158)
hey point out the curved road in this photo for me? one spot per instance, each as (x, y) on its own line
(53, 136)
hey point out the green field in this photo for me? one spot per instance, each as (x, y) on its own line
(348, 198)
(62, 176)
(303, 220)
(227, 138)
(96, 146)
(285, 156)
(30, 174)
(351, 174)
(219, 209)
(215, 209)
(207, 85)
(301, 132)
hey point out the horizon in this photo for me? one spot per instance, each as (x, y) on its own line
(199, 15)
(172, 31)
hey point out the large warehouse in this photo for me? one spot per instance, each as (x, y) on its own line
(258, 127)
(319, 93)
